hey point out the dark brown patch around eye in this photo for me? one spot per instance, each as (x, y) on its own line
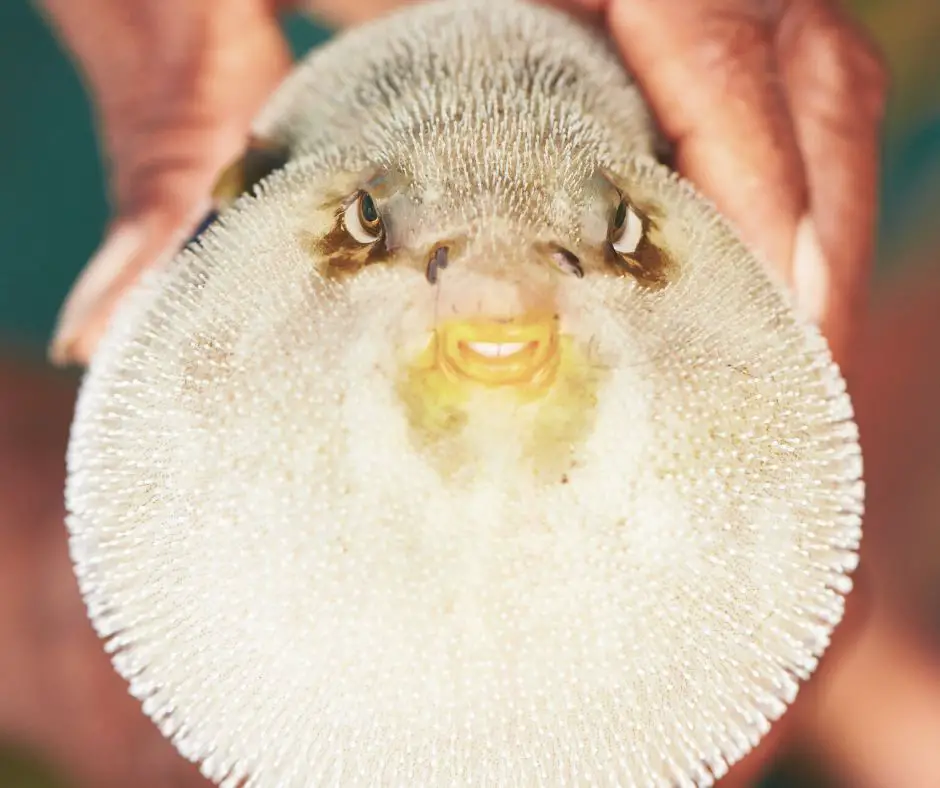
(649, 263)
(342, 255)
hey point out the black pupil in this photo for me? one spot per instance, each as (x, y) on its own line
(367, 210)
(621, 215)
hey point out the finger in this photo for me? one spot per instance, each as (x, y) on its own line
(836, 86)
(174, 106)
(340, 13)
(132, 245)
(709, 73)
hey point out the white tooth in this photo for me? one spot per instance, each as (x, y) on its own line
(496, 349)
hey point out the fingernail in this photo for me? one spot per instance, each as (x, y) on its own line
(810, 272)
(112, 258)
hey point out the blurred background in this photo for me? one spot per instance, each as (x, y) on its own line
(52, 214)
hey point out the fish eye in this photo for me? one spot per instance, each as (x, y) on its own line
(362, 220)
(626, 231)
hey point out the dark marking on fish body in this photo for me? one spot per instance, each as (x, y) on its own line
(260, 159)
(436, 264)
(649, 265)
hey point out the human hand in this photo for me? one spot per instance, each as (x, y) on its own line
(175, 85)
(774, 108)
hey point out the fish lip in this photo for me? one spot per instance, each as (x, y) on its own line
(498, 352)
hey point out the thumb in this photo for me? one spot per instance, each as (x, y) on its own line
(710, 73)
(176, 86)
(131, 245)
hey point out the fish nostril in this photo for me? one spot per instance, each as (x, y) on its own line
(567, 261)
(436, 264)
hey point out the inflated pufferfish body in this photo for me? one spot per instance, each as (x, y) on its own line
(473, 448)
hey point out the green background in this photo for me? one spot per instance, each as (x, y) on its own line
(53, 206)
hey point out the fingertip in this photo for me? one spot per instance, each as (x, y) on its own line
(130, 247)
(74, 348)
(121, 246)
(836, 86)
(816, 296)
(810, 271)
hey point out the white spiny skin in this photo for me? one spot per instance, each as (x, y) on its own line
(620, 584)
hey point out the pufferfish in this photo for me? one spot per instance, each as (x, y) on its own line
(470, 446)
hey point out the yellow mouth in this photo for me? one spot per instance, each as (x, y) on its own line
(523, 368)
(493, 353)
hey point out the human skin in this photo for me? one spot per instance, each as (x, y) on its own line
(774, 108)
(774, 112)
